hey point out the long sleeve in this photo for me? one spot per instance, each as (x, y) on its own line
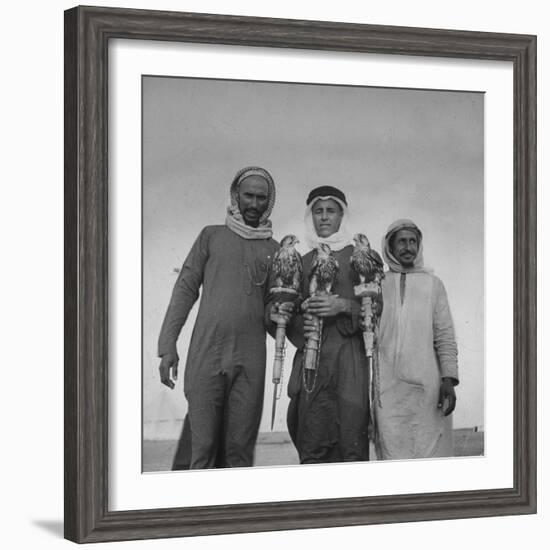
(184, 295)
(444, 334)
(270, 279)
(269, 325)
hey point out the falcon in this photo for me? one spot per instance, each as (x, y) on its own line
(287, 265)
(365, 261)
(324, 268)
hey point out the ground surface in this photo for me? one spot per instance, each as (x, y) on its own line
(277, 449)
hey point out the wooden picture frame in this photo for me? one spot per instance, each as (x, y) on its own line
(87, 34)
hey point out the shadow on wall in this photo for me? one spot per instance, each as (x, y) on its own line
(53, 527)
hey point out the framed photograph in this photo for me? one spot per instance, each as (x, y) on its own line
(201, 399)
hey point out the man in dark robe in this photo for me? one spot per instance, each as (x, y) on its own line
(328, 423)
(225, 369)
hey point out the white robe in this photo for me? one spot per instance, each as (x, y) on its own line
(417, 348)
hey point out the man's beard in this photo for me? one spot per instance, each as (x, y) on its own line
(253, 220)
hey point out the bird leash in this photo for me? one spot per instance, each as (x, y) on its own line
(312, 355)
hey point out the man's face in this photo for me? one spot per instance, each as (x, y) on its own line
(327, 217)
(252, 199)
(404, 247)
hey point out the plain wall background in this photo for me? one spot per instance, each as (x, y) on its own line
(396, 153)
(32, 276)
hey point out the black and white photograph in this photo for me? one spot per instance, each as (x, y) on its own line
(312, 273)
(273, 274)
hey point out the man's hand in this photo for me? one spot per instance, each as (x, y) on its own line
(281, 311)
(376, 307)
(311, 325)
(447, 393)
(168, 361)
(327, 305)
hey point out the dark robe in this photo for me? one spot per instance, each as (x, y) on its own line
(330, 423)
(225, 369)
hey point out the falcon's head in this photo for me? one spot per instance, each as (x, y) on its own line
(361, 241)
(289, 241)
(323, 251)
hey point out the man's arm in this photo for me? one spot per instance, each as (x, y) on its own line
(445, 348)
(184, 295)
(331, 305)
(347, 312)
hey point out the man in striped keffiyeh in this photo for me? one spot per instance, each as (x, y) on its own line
(225, 369)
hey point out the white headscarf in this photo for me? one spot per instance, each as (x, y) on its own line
(336, 241)
(234, 218)
(391, 260)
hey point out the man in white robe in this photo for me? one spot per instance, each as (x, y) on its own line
(417, 354)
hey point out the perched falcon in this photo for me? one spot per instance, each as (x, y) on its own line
(287, 265)
(324, 268)
(365, 261)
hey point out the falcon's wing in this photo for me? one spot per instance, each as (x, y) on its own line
(376, 257)
(298, 272)
(313, 273)
(277, 267)
(290, 266)
(327, 269)
(357, 265)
